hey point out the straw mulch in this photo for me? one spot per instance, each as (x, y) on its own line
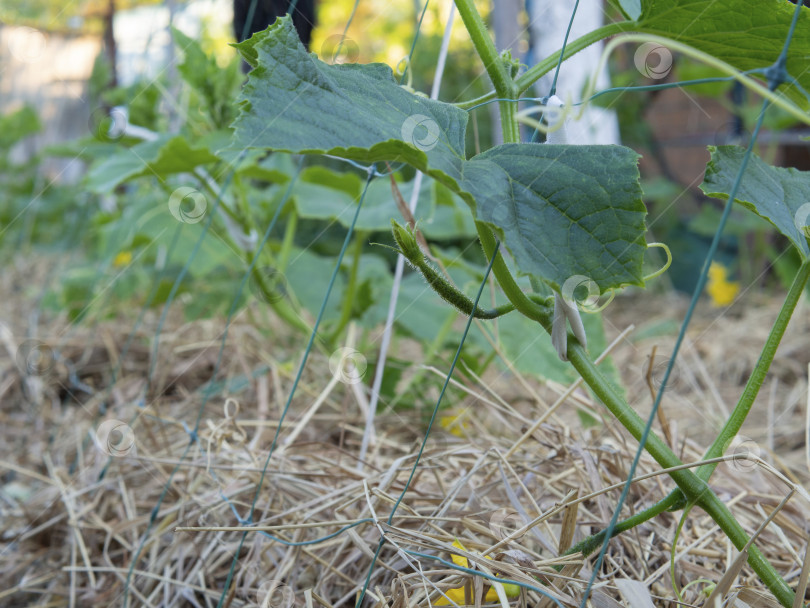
(106, 499)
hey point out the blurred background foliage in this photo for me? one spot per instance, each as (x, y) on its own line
(120, 250)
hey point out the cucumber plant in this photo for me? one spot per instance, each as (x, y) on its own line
(563, 212)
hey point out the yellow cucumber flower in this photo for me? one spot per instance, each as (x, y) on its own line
(457, 594)
(122, 259)
(720, 289)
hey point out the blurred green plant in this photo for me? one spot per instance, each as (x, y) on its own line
(147, 196)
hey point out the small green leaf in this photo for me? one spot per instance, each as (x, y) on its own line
(179, 156)
(781, 196)
(124, 164)
(18, 125)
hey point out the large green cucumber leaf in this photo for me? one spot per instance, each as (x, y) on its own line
(745, 34)
(294, 102)
(781, 196)
(562, 211)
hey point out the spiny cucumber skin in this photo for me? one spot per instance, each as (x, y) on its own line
(446, 291)
(410, 249)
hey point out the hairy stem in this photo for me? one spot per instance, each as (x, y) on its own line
(692, 486)
(533, 74)
(494, 65)
(738, 416)
(595, 541)
(350, 293)
(676, 499)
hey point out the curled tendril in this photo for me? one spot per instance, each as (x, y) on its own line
(402, 68)
(654, 275)
(611, 294)
(562, 113)
(665, 267)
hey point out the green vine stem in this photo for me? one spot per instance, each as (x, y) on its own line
(738, 416)
(693, 487)
(779, 100)
(523, 82)
(676, 500)
(280, 305)
(504, 88)
(494, 65)
(533, 74)
(595, 541)
(208, 184)
(349, 297)
(533, 310)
